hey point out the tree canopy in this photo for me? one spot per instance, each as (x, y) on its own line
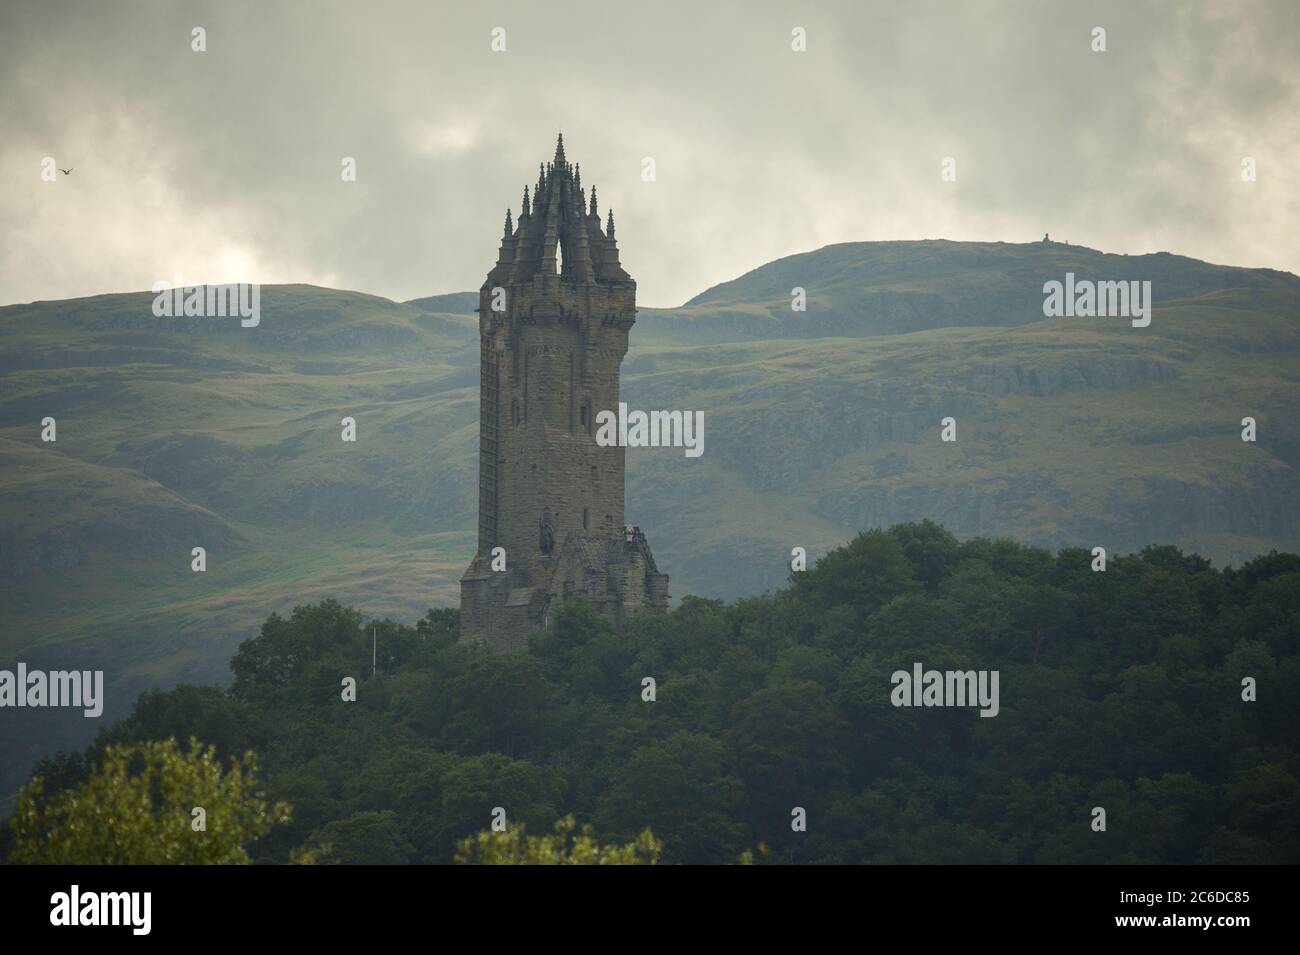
(149, 803)
(1121, 689)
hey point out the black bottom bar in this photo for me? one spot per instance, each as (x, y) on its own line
(334, 904)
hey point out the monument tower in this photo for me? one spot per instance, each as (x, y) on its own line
(554, 316)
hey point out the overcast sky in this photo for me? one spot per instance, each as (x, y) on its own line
(225, 165)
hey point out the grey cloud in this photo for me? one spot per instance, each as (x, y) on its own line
(224, 166)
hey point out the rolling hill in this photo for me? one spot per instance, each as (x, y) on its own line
(183, 432)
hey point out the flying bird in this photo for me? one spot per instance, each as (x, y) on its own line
(66, 172)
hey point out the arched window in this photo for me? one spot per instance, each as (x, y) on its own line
(514, 411)
(584, 417)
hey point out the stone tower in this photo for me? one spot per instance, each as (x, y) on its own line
(554, 316)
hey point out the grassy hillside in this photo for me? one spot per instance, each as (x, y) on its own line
(1069, 433)
(176, 433)
(859, 289)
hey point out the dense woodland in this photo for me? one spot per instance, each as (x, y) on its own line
(1120, 689)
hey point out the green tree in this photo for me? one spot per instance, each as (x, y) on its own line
(309, 652)
(476, 785)
(564, 847)
(137, 808)
(866, 574)
(789, 746)
(684, 788)
(364, 838)
(498, 702)
(932, 550)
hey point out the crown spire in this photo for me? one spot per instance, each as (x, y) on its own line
(558, 222)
